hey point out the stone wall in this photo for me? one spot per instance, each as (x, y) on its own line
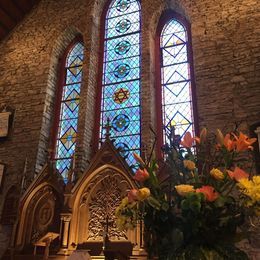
(226, 53)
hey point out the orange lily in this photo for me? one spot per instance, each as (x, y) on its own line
(203, 135)
(243, 142)
(141, 175)
(220, 137)
(138, 158)
(209, 192)
(228, 142)
(187, 140)
(237, 174)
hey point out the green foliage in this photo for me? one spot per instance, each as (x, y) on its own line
(195, 213)
(192, 202)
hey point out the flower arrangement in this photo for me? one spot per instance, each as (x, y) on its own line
(195, 210)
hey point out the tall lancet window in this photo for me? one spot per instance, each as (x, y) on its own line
(120, 101)
(176, 79)
(69, 98)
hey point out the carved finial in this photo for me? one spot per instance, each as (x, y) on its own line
(108, 128)
(72, 169)
(24, 174)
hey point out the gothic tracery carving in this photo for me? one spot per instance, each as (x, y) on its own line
(102, 205)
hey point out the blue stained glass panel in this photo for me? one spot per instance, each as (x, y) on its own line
(73, 77)
(69, 109)
(128, 43)
(121, 77)
(120, 122)
(123, 5)
(124, 24)
(76, 52)
(71, 92)
(177, 108)
(122, 47)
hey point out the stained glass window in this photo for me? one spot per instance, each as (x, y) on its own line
(69, 110)
(121, 77)
(177, 110)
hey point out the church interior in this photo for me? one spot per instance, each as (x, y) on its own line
(84, 84)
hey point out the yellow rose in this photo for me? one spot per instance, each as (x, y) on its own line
(143, 194)
(184, 189)
(217, 174)
(124, 201)
(190, 165)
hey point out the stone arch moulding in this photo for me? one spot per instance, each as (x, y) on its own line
(39, 213)
(105, 186)
(57, 50)
(167, 16)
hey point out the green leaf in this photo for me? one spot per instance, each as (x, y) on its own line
(220, 202)
(153, 202)
(165, 206)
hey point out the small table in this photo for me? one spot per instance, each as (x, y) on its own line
(45, 241)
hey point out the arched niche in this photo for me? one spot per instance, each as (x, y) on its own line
(40, 214)
(94, 204)
(9, 213)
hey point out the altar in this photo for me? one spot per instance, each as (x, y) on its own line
(82, 214)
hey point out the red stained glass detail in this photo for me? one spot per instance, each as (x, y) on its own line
(121, 95)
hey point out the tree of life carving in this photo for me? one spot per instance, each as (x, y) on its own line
(102, 208)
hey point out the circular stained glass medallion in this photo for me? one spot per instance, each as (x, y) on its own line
(123, 149)
(123, 26)
(121, 95)
(120, 122)
(122, 5)
(122, 70)
(122, 47)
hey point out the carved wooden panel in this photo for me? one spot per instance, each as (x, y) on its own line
(100, 200)
(42, 214)
(102, 210)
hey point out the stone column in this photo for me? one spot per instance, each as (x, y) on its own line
(65, 234)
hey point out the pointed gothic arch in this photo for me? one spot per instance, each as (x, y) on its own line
(175, 82)
(67, 106)
(119, 77)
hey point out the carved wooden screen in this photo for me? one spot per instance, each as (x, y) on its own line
(121, 77)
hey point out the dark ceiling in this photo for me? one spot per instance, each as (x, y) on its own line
(12, 12)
